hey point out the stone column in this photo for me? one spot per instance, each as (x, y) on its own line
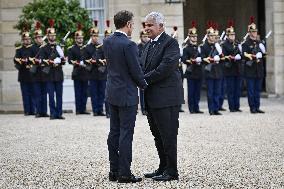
(10, 96)
(278, 23)
(275, 46)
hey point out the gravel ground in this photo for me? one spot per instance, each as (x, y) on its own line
(236, 150)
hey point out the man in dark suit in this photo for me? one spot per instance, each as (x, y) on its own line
(124, 75)
(163, 96)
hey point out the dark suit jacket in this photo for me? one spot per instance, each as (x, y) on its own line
(162, 74)
(124, 72)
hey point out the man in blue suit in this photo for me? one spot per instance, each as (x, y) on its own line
(124, 75)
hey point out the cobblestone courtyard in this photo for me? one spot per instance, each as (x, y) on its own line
(236, 150)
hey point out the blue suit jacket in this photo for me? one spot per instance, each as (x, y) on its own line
(124, 72)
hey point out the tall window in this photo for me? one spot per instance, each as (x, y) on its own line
(96, 9)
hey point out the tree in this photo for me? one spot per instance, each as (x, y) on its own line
(67, 14)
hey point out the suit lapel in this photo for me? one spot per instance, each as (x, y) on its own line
(144, 55)
(155, 49)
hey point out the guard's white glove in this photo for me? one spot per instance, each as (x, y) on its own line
(198, 59)
(258, 55)
(218, 48)
(240, 48)
(57, 60)
(238, 57)
(216, 58)
(60, 51)
(81, 63)
(262, 48)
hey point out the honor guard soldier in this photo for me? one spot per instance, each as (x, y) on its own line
(254, 69)
(80, 75)
(94, 57)
(174, 35)
(40, 79)
(23, 64)
(232, 62)
(141, 44)
(211, 52)
(192, 58)
(52, 57)
(223, 83)
(103, 63)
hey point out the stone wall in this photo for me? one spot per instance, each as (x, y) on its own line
(275, 46)
(10, 97)
(173, 13)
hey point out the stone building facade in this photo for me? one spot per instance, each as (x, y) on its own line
(269, 14)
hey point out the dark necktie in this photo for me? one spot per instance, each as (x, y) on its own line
(150, 51)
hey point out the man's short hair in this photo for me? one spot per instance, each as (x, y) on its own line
(121, 18)
(157, 17)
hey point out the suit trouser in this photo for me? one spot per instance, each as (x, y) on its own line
(97, 90)
(213, 94)
(194, 90)
(80, 89)
(122, 123)
(142, 101)
(254, 89)
(40, 93)
(233, 86)
(164, 125)
(27, 90)
(55, 89)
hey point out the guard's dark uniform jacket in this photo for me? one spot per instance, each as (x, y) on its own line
(49, 52)
(38, 75)
(23, 53)
(252, 68)
(98, 70)
(75, 55)
(231, 66)
(140, 46)
(193, 70)
(212, 70)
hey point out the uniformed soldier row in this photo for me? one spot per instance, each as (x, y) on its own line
(228, 61)
(40, 72)
(223, 65)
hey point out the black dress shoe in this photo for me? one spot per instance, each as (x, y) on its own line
(44, 115)
(128, 179)
(112, 176)
(155, 173)
(37, 115)
(199, 112)
(60, 117)
(85, 112)
(222, 109)
(181, 110)
(101, 114)
(165, 177)
(233, 110)
(253, 111)
(217, 113)
(52, 117)
(260, 111)
(238, 110)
